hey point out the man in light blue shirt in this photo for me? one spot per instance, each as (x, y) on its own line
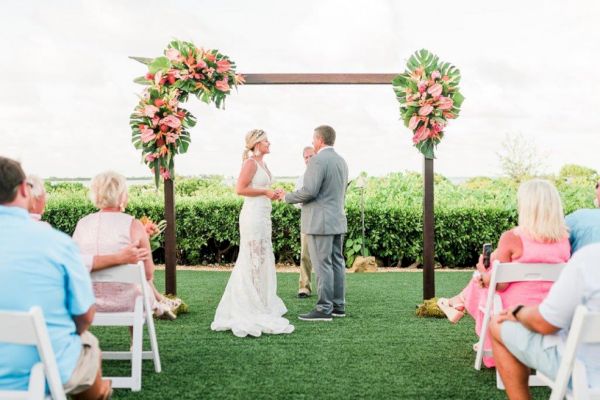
(534, 337)
(584, 225)
(40, 266)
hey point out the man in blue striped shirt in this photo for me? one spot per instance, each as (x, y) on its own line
(42, 267)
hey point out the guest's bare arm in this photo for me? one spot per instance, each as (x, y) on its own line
(83, 321)
(531, 318)
(509, 248)
(139, 236)
(128, 255)
(243, 187)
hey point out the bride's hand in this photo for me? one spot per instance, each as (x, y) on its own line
(271, 194)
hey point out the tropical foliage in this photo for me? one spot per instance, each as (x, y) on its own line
(160, 126)
(429, 96)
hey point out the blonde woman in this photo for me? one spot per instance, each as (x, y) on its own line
(250, 305)
(541, 237)
(110, 237)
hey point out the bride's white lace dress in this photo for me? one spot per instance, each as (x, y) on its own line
(250, 305)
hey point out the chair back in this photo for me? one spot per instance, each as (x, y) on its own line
(29, 328)
(585, 328)
(519, 272)
(128, 273)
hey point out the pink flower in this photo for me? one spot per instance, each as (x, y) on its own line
(425, 110)
(222, 85)
(172, 137)
(172, 54)
(201, 64)
(171, 121)
(151, 157)
(448, 115)
(413, 123)
(422, 86)
(223, 66)
(436, 75)
(421, 134)
(157, 78)
(155, 121)
(150, 110)
(436, 128)
(210, 56)
(445, 103)
(435, 90)
(165, 173)
(148, 135)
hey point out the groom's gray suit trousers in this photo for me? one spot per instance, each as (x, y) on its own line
(327, 258)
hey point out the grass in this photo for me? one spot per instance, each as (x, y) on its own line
(380, 351)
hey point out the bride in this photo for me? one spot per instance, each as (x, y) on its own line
(250, 305)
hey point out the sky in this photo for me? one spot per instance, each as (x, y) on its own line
(528, 68)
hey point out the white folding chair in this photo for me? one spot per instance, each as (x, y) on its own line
(507, 273)
(29, 328)
(141, 314)
(585, 328)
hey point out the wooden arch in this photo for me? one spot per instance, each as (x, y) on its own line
(316, 79)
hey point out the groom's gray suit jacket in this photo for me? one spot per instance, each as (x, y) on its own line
(323, 194)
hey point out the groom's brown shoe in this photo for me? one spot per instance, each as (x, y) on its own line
(315, 315)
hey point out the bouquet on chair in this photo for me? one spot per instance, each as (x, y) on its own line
(154, 231)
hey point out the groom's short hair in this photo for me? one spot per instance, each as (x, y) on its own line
(326, 133)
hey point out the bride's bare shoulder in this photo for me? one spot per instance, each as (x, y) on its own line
(248, 167)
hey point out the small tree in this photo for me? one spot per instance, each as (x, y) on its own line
(570, 171)
(520, 158)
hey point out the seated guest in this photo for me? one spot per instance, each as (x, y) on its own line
(534, 337)
(37, 207)
(540, 237)
(102, 235)
(43, 267)
(584, 225)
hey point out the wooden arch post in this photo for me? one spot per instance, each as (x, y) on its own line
(316, 79)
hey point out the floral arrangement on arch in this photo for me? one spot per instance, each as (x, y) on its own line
(429, 96)
(160, 126)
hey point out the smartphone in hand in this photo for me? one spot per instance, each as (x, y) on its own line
(487, 252)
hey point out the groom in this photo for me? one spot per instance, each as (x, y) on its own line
(324, 223)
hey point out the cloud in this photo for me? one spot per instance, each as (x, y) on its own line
(526, 67)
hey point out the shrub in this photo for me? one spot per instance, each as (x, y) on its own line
(466, 216)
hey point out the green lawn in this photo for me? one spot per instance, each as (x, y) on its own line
(380, 350)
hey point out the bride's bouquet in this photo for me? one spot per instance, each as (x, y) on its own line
(429, 96)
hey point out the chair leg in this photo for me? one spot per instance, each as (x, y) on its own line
(153, 342)
(136, 356)
(499, 383)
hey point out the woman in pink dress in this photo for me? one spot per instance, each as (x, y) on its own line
(111, 237)
(540, 237)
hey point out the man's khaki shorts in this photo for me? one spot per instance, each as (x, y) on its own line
(85, 371)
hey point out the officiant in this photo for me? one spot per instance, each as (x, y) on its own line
(304, 289)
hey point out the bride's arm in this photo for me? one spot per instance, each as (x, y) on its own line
(243, 187)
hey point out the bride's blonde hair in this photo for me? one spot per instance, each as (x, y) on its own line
(253, 137)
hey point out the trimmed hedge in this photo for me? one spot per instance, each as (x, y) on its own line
(207, 229)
